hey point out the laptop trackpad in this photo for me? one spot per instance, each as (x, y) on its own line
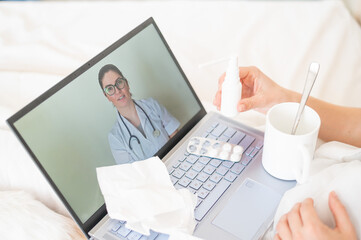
(249, 211)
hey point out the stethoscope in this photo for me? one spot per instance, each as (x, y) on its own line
(156, 132)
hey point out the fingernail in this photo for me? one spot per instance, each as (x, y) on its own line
(241, 108)
(333, 194)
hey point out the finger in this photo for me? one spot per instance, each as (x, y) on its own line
(339, 212)
(245, 72)
(277, 237)
(294, 218)
(221, 80)
(217, 99)
(283, 229)
(249, 103)
(308, 212)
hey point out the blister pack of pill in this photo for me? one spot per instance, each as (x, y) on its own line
(214, 149)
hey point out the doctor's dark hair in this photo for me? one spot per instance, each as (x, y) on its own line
(104, 70)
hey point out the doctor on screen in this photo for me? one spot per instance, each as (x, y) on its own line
(142, 126)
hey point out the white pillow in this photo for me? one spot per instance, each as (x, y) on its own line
(23, 217)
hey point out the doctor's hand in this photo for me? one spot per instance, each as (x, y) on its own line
(259, 92)
(302, 222)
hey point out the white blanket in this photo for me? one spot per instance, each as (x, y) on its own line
(336, 167)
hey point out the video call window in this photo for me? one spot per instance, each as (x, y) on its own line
(87, 123)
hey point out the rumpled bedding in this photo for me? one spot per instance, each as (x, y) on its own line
(42, 42)
(336, 167)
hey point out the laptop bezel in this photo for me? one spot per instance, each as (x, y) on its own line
(101, 212)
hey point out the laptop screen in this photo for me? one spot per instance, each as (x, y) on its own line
(85, 121)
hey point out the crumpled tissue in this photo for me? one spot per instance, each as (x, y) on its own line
(142, 194)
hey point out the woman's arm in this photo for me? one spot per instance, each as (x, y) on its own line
(259, 92)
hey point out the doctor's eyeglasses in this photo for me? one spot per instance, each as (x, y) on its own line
(119, 83)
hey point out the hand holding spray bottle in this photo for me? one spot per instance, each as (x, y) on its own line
(231, 89)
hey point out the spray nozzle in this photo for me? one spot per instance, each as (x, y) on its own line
(216, 61)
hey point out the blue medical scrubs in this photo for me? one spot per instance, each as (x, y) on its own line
(149, 144)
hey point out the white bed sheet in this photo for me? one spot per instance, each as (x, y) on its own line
(42, 42)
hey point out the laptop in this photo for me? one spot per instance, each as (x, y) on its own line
(65, 131)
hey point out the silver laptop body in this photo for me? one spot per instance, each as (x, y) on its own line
(236, 201)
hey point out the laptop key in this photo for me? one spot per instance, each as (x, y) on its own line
(176, 164)
(247, 141)
(215, 162)
(184, 182)
(162, 237)
(230, 176)
(202, 177)
(123, 231)
(249, 151)
(204, 160)
(134, 236)
(192, 159)
(212, 198)
(192, 190)
(185, 166)
(191, 174)
(209, 185)
(210, 129)
(212, 137)
(237, 168)
(236, 138)
(229, 132)
(219, 130)
(195, 184)
(223, 138)
(116, 226)
(215, 178)
(205, 135)
(227, 164)
(173, 180)
(203, 193)
(178, 173)
(182, 158)
(245, 160)
(198, 167)
(222, 170)
(254, 152)
(199, 200)
(259, 144)
(209, 169)
(215, 124)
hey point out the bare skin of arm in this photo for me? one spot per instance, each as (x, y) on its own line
(259, 92)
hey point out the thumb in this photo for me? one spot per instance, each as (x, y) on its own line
(339, 213)
(249, 103)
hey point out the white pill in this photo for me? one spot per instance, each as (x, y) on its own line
(203, 151)
(224, 155)
(235, 157)
(213, 152)
(206, 143)
(192, 148)
(227, 147)
(195, 141)
(238, 149)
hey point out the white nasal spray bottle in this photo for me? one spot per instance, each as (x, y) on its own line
(231, 89)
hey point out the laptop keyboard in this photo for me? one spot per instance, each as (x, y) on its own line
(209, 178)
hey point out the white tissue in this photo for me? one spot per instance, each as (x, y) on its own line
(142, 194)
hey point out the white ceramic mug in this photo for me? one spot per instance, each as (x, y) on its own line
(287, 156)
